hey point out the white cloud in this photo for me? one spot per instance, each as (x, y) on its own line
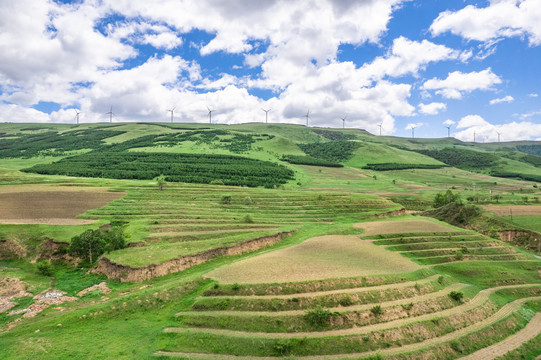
(533, 95)
(449, 122)
(407, 57)
(506, 99)
(432, 108)
(483, 131)
(458, 83)
(166, 40)
(413, 126)
(502, 18)
(530, 114)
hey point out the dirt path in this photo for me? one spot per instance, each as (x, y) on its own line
(416, 299)
(477, 301)
(501, 314)
(511, 343)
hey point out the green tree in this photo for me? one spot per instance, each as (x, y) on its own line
(161, 182)
(446, 198)
(88, 246)
(114, 239)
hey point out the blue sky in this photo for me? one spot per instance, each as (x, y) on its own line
(471, 65)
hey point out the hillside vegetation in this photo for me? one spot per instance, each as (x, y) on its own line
(260, 241)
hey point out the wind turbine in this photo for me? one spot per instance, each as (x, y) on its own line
(497, 132)
(380, 126)
(448, 130)
(210, 115)
(344, 121)
(413, 132)
(474, 136)
(77, 115)
(307, 116)
(110, 113)
(172, 112)
(266, 114)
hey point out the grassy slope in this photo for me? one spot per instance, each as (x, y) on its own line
(129, 324)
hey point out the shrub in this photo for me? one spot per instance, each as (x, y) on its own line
(45, 268)
(226, 199)
(248, 219)
(456, 295)
(346, 301)
(459, 255)
(376, 310)
(446, 198)
(318, 316)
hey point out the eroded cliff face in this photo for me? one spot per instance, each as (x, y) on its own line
(126, 273)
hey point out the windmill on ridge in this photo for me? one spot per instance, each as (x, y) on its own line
(77, 113)
(210, 114)
(110, 113)
(497, 132)
(266, 115)
(380, 125)
(307, 116)
(172, 111)
(448, 130)
(413, 131)
(344, 121)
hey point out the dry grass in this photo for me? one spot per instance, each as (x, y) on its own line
(53, 205)
(401, 226)
(321, 257)
(506, 210)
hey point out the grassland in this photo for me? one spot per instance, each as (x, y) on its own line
(342, 285)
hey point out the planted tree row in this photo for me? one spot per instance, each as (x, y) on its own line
(333, 151)
(506, 174)
(462, 158)
(191, 168)
(309, 160)
(52, 143)
(334, 135)
(399, 166)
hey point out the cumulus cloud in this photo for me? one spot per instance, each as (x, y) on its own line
(449, 122)
(408, 57)
(457, 83)
(500, 19)
(506, 99)
(432, 108)
(475, 126)
(533, 95)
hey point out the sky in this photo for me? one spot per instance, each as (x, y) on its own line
(405, 67)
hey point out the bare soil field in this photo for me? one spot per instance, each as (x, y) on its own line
(53, 205)
(401, 226)
(506, 210)
(321, 257)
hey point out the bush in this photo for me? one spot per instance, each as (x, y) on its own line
(226, 200)
(248, 219)
(456, 295)
(45, 268)
(318, 316)
(346, 301)
(92, 243)
(376, 310)
(446, 198)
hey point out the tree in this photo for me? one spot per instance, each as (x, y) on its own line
(88, 245)
(93, 243)
(445, 198)
(161, 182)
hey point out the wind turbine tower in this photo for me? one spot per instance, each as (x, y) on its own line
(343, 122)
(172, 111)
(266, 115)
(110, 113)
(307, 116)
(77, 113)
(380, 126)
(413, 132)
(474, 136)
(497, 132)
(448, 131)
(210, 115)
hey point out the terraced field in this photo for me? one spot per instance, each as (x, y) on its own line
(189, 219)
(420, 314)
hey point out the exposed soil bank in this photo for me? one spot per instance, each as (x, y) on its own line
(389, 214)
(127, 273)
